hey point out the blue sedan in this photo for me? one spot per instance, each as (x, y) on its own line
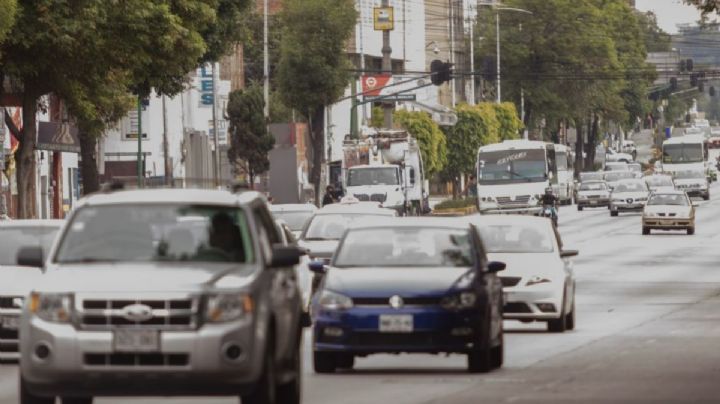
(420, 285)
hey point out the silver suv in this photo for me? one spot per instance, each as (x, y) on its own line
(167, 293)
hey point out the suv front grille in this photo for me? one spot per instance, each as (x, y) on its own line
(385, 301)
(137, 359)
(171, 314)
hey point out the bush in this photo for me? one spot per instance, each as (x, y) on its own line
(456, 204)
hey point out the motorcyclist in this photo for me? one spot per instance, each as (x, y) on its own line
(550, 200)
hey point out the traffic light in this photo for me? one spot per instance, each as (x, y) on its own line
(701, 86)
(693, 80)
(683, 65)
(711, 91)
(673, 83)
(441, 72)
(689, 65)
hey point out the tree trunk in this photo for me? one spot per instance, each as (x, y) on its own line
(25, 159)
(592, 142)
(317, 137)
(578, 146)
(88, 165)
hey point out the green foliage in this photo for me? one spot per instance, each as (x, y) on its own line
(656, 40)
(377, 118)
(249, 138)
(456, 204)
(253, 46)
(8, 9)
(706, 6)
(508, 121)
(477, 126)
(429, 136)
(314, 69)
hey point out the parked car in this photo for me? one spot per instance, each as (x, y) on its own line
(694, 182)
(628, 196)
(295, 216)
(593, 194)
(437, 294)
(538, 282)
(164, 292)
(16, 282)
(669, 210)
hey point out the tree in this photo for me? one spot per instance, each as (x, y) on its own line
(656, 40)
(508, 121)
(477, 126)
(433, 146)
(706, 6)
(250, 141)
(314, 69)
(8, 9)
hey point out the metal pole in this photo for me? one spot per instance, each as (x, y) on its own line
(140, 174)
(452, 50)
(362, 54)
(497, 35)
(216, 130)
(473, 100)
(166, 146)
(266, 64)
(388, 107)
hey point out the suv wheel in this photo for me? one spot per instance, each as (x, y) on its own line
(559, 324)
(613, 213)
(77, 400)
(645, 231)
(324, 362)
(26, 397)
(266, 387)
(345, 362)
(690, 231)
(291, 391)
(480, 359)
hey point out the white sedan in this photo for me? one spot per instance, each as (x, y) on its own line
(538, 282)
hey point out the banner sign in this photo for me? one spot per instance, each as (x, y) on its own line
(58, 136)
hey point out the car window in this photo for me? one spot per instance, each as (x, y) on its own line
(618, 175)
(590, 176)
(405, 247)
(517, 238)
(598, 186)
(669, 199)
(333, 226)
(631, 187)
(13, 238)
(296, 220)
(156, 233)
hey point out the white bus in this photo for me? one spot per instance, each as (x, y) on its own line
(685, 153)
(513, 175)
(564, 157)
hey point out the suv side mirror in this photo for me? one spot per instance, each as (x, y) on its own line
(496, 266)
(30, 257)
(285, 256)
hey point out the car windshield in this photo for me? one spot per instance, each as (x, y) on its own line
(617, 176)
(631, 187)
(591, 176)
(295, 220)
(517, 238)
(593, 186)
(16, 237)
(373, 176)
(669, 199)
(156, 233)
(405, 247)
(333, 226)
(686, 175)
(512, 166)
(683, 153)
(659, 181)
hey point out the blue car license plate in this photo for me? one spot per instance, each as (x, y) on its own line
(396, 323)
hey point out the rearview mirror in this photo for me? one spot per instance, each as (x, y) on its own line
(317, 267)
(569, 253)
(496, 266)
(30, 257)
(285, 256)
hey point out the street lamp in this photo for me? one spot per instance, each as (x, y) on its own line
(498, 9)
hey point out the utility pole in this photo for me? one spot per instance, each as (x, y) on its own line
(140, 174)
(388, 107)
(497, 50)
(473, 13)
(266, 63)
(452, 49)
(166, 147)
(216, 130)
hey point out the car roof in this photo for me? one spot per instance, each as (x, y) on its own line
(172, 196)
(514, 145)
(357, 208)
(32, 223)
(669, 191)
(420, 222)
(293, 207)
(685, 139)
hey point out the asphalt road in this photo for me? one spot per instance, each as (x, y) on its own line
(648, 331)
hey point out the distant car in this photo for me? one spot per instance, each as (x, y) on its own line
(694, 131)
(616, 166)
(295, 216)
(628, 196)
(630, 148)
(16, 282)
(659, 182)
(592, 176)
(593, 194)
(614, 177)
(669, 210)
(694, 182)
(538, 282)
(613, 156)
(409, 285)
(636, 169)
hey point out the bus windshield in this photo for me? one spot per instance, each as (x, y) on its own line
(683, 153)
(512, 166)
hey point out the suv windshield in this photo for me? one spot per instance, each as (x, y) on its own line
(16, 237)
(156, 233)
(332, 226)
(659, 181)
(405, 247)
(373, 176)
(669, 199)
(683, 153)
(516, 239)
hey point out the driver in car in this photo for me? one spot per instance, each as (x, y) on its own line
(225, 241)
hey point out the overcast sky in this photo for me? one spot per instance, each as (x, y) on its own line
(669, 12)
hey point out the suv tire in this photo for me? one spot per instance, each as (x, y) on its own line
(480, 359)
(266, 387)
(559, 324)
(28, 398)
(690, 231)
(580, 208)
(614, 213)
(324, 362)
(645, 231)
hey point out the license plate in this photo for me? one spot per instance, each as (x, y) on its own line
(136, 341)
(593, 202)
(10, 323)
(396, 323)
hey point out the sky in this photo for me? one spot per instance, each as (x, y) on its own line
(669, 12)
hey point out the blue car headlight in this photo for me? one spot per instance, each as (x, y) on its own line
(330, 300)
(459, 301)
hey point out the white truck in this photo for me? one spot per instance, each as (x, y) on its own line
(513, 175)
(386, 167)
(684, 153)
(565, 159)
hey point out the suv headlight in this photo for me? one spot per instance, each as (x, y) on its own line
(334, 301)
(463, 300)
(650, 214)
(225, 307)
(52, 307)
